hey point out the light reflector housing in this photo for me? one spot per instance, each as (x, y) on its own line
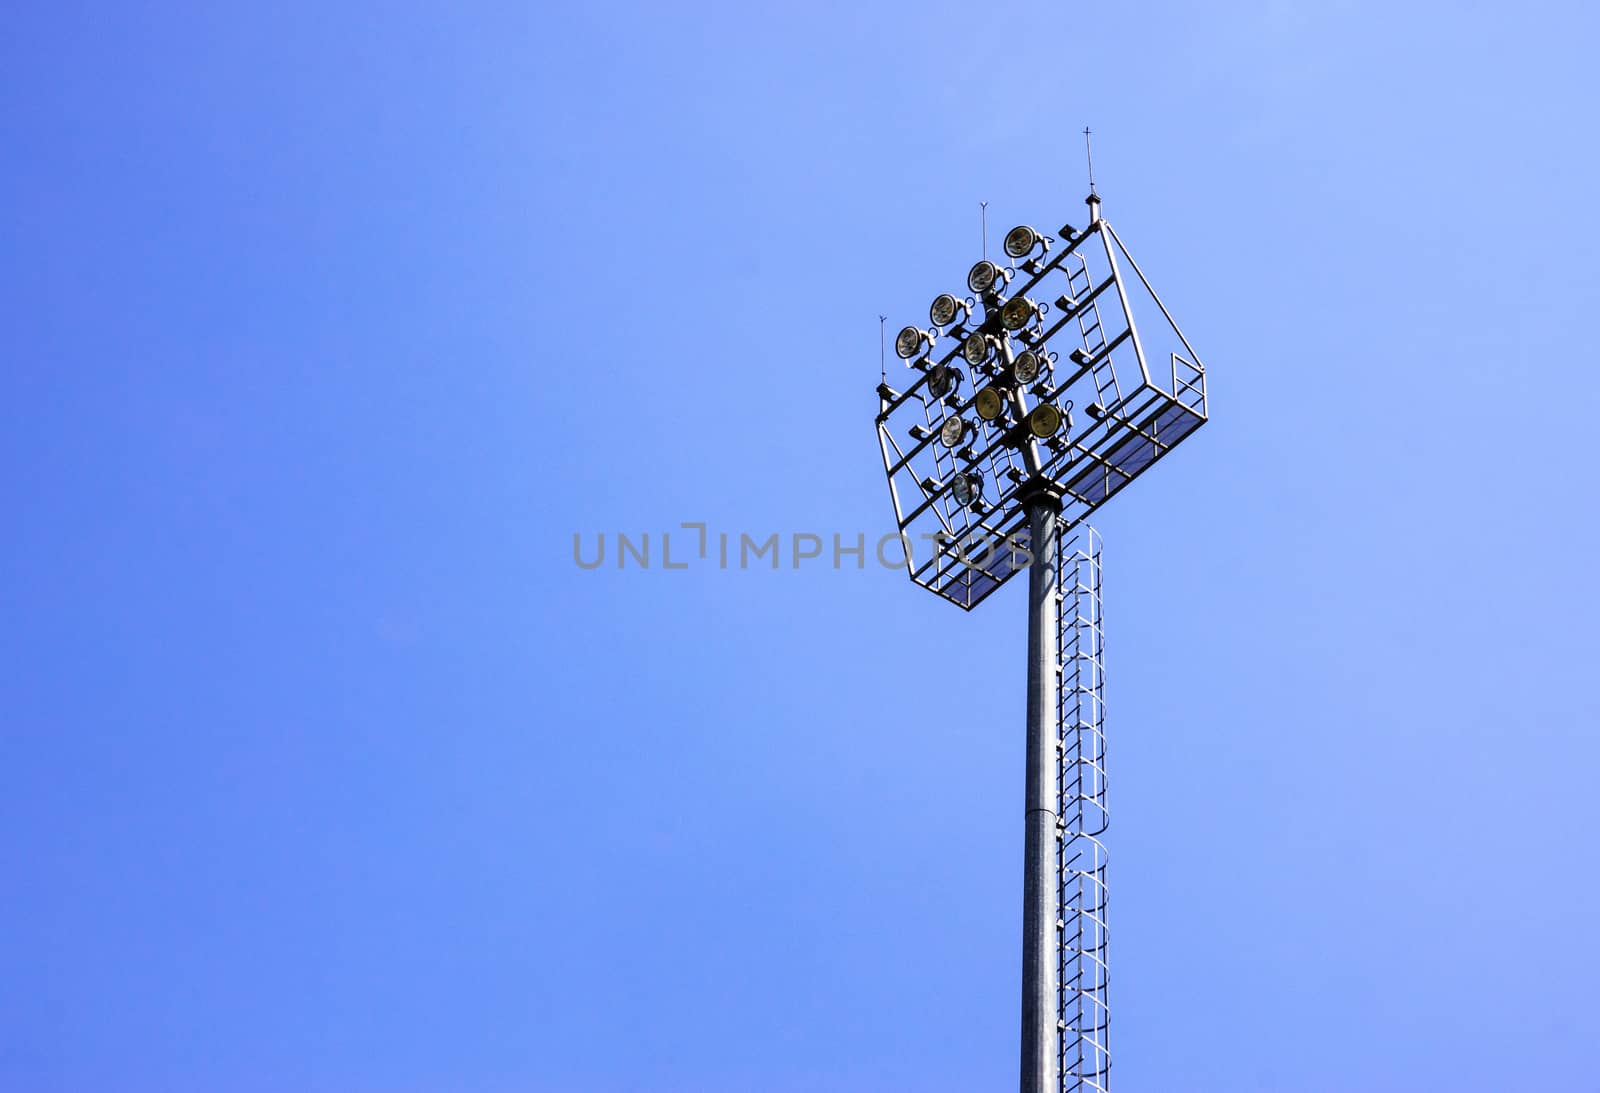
(946, 309)
(1045, 421)
(908, 343)
(966, 488)
(982, 276)
(942, 379)
(1025, 369)
(953, 432)
(975, 349)
(1021, 240)
(1018, 312)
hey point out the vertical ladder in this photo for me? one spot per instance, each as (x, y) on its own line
(1081, 857)
(1079, 285)
(944, 463)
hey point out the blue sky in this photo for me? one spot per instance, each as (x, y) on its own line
(323, 767)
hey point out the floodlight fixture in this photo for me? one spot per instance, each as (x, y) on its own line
(909, 342)
(1018, 312)
(1025, 368)
(953, 431)
(1021, 241)
(975, 349)
(947, 310)
(984, 275)
(942, 380)
(966, 488)
(1044, 421)
(989, 404)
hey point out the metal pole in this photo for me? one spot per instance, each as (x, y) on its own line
(1041, 971)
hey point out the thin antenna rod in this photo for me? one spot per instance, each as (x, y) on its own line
(1088, 150)
(983, 219)
(883, 357)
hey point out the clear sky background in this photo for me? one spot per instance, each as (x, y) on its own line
(324, 768)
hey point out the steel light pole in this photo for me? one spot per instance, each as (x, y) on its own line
(1041, 905)
(985, 461)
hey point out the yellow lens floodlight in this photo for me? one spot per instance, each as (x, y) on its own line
(1045, 421)
(988, 404)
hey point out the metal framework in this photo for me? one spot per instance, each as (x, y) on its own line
(999, 478)
(1128, 394)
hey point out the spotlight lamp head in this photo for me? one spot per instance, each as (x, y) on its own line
(947, 310)
(1018, 312)
(953, 432)
(984, 276)
(942, 379)
(1045, 421)
(1021, 241)
(975, 349)
(1025, 369)
(966, 488)
(909, 342)
(989, 404)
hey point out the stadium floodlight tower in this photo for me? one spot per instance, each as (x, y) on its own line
(989, 471)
